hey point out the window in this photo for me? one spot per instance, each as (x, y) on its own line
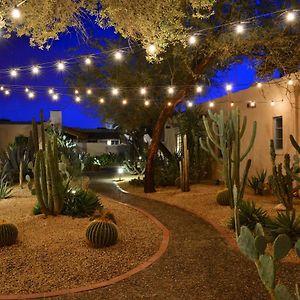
(278, 132)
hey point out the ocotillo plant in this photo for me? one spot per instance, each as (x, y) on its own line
(224, 135)
(48, 181)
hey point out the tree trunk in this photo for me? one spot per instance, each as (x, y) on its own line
(149, 185)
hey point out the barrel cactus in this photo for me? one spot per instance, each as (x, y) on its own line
(223, 197)
(102, 233)
(8, 234)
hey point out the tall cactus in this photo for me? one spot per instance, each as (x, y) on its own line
(48, 181)
(225, 135)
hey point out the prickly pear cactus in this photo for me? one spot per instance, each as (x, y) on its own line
(102, 233)
(8, 234)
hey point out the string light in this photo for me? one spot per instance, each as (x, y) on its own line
(189, 104)
(171, 90)
(1, 88)
(35, 70)
(55, 97)
(31, 95)
(118, 55)
(115, 91)
(101, 100)
(240, 29)
(211, 104)
(252, 104)
(199, 89)
(26, 90)
(13, 73)
(76, 92)
(16, 13)
(291, 16)
(232, 104)
(51, 91)
(147, 102)
(228, 87)
(259, 85)
(169, 103)
(192, 40)
(88, 61)
(89, 92)
(60, 66)
(143, 91)
(77, 99)
(124, 102)
(290, 82)
(151, 49)
(7, 92)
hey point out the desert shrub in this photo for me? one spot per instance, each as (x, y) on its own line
(285, 223)
(166, 170)
(257, 183)
(108, 159)
(81, 203)
(5, 189)
(134, 167)
(250, 215)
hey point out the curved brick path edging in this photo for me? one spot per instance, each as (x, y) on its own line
(89, 287)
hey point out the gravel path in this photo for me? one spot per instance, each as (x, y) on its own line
(197, 265)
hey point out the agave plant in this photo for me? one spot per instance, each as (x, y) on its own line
(257, 183)
(5, 188)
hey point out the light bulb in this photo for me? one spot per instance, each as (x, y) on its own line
(211, 104)
(7, 92)
(228, 87)
(192, 40)
(101, 100)
(88, 61)
(232, 104)
(55, 97)
(13, 73)
(115, 91)
(143, 91)
(118, 55)
(147, 103)
(26, 90)
(169, 103)
(31, 95)
(89, 92)
(272, 103)
(16, 13)
(290, 16)
(290, 82)
(76, 92)
(252, 103)
(240, 29)
(199, 89)
(60, 66)
(124, 102)
(50, 91)
(170, 90)
(1, 88)
(35, 70)
(259, 85)
(151, 49)
(190, 104)
(77, 99)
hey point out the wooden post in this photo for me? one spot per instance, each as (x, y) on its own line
(184, 167)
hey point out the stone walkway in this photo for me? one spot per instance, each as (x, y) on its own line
(197, 265)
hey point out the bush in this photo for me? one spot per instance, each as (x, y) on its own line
(223, 197)
(137, 182)
(166, 171)
(250, 215)
(257, 183)
(81, 203)
(285, 223)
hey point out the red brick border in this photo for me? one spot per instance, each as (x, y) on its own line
(162, 249)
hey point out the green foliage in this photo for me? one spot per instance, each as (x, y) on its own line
(249, 215)
(136, 182)
(285, 223)
(102, 233)
(223, 197)
(81, 203)
(254, 247)
(257, 183)
(135, 167)
(36, 210)
(5, 189)
(166, 171)
(108, 159)
(282, 184)
(8, 234)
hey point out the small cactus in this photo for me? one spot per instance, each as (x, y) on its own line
(8, 234)
(223, 197)
(102, 233)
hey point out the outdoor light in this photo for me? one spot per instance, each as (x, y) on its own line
(259, 85)
(60, 66)
(251, 104)
(169, 103)
(88, 61)
(232, 104)
(35, 70)
(211, 104)
(76, 92)
(16, 13)
(26, 90)
(143, 91)
(1, 88)
(170, 90)
(151, 49)
(51, 91)
(13, 73)
(77, 99)
(115, 91)
(31, 95)
(240, 29)
(124, 102)
(192, 40)
(190, 104)
(290, 82)
(272, 103)
(199, 89)
(101, 100)
(290, 16)
(120, 172)
(140, 158)
(89, 92)
(228, 87)
(118, 55)
(55, 97)
(7, 92)
(147, 103)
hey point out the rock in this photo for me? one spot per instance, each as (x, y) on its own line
(280, 207)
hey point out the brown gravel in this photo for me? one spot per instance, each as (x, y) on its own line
(52, 252)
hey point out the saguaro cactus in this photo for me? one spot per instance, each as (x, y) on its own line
(224, 135)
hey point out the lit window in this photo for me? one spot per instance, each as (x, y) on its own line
(278, 132)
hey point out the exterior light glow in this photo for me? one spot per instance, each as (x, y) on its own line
(89, 92)
(115, 91)
(152, 49)
(291, 16)
(77, 99)
(51, 91)
(76, 92)
(147, 103)
(190, 104)
(124, 102)
(272, 103)
(13, 73)
(31, 95)
(35, 70)
(118, 55)
(259, 85)
(199, 89)
(26, 90)
(211, 104)
(169, 103)
(143, 91)
(192, 40)
(55, 97)
(101, 100)
(16, 13)
(228, 87)
(61, 66)
(7, 92)
(88, 61)
(171, 90)
(290, 82)
(240, 29)
(232, 104)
